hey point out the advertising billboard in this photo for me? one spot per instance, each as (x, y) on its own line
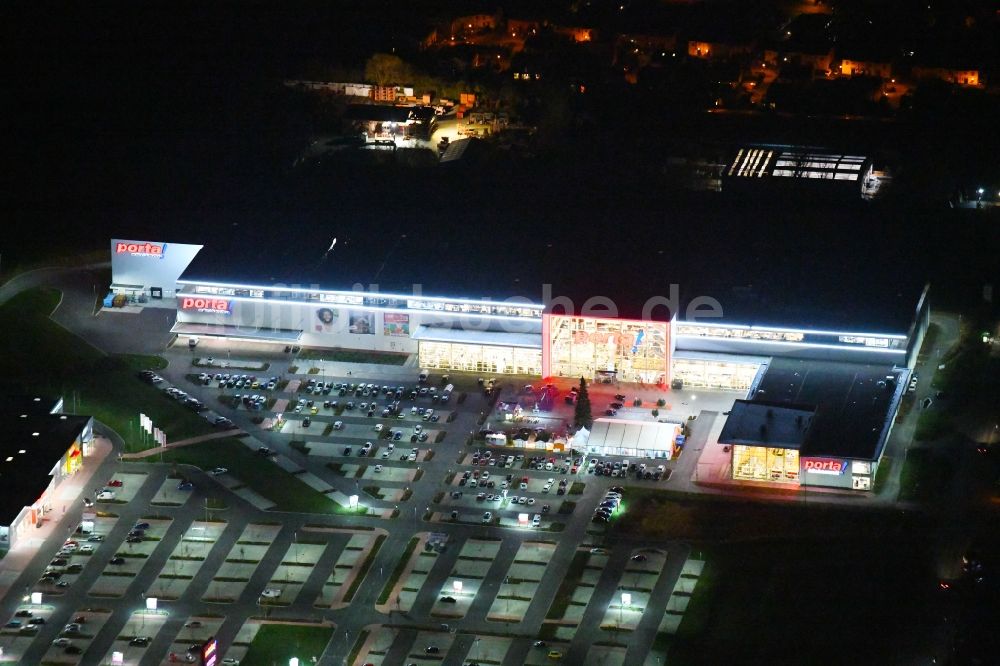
(824, 466)
(326, 320)
(395, 324)
(208, 305)
(143, 265)
(141, 249)
(361, 323)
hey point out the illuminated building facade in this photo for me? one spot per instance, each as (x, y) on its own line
(40, 448)
(513, 335)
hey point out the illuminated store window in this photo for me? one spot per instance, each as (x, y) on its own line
(480, 358)
(760, 463)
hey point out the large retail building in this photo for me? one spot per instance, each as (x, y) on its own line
(217, 295)
(822, 364)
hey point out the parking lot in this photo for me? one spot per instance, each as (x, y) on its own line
(507, 524)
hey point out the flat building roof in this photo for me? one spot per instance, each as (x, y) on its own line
(30, 446)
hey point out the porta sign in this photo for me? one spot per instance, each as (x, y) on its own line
(140, 249)
(824, 466)
(210, 305)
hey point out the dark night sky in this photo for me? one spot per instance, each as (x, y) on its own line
(136, 122)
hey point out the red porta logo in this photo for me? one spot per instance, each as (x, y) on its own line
(824, 465)
(140, 249)
(218, 305)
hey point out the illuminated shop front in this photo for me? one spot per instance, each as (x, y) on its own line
(761, 463)
(480, 358)
(797, 343)
(624, 350)
(718, 371)
(783, 443)
(474, 335)
(838, 472)
(40, 450)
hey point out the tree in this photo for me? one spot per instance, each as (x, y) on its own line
(582, 417)
(384, 68)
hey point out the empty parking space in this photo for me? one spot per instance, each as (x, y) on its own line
(520, 584)
(466, 578)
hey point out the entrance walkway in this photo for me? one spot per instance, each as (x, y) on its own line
(184, 442)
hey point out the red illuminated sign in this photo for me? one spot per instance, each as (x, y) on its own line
(140, 249)
(210, 305)
(824, 465)
(209, 653)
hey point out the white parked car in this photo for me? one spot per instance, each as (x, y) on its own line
(219, 470)
(379, 427)
(378, 468)
(338, 425)
(105, 495)
(271, 593)
(537, 520)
